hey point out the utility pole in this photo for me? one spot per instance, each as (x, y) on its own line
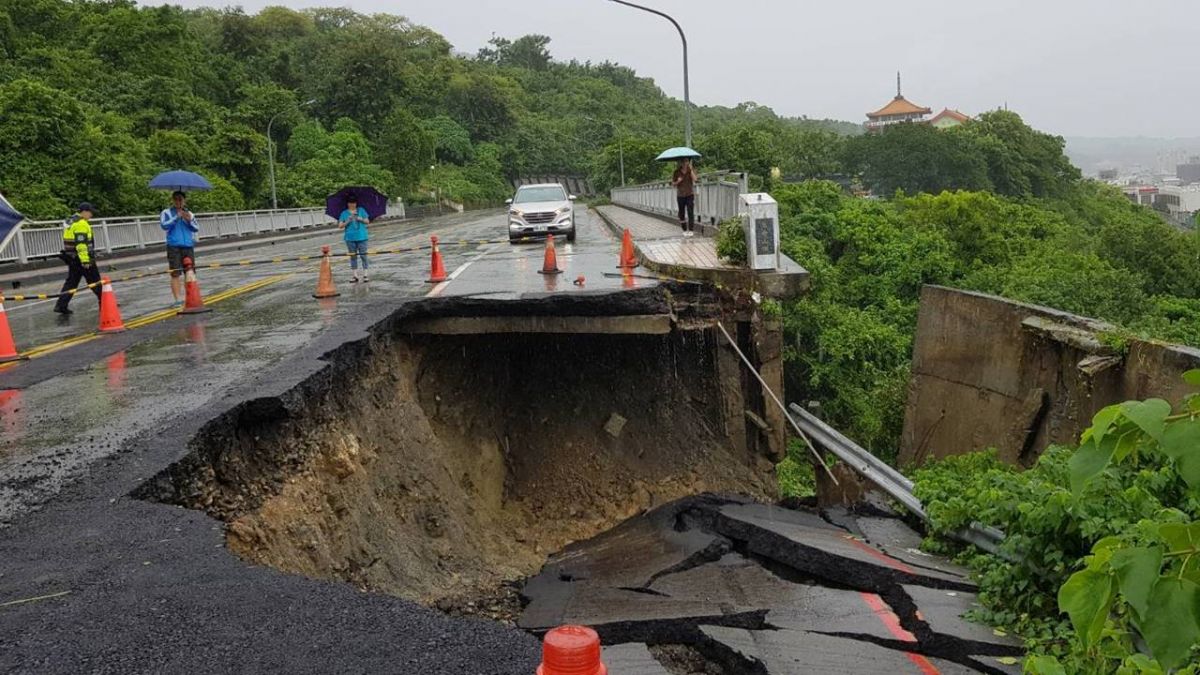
(271, 151)
(687, 99)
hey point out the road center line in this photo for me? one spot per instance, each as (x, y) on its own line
(437, 290)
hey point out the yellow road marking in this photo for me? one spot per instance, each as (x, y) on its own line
(146, 319)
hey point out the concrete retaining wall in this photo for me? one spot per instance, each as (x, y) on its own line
(991, 372)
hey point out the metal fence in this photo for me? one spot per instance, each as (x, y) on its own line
(716, 196)
(36, 240)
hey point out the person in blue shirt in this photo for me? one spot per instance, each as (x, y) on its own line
(354, 219)
(180, 225)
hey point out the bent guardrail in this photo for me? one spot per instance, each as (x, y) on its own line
(716, 196)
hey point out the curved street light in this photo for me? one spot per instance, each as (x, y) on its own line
(271, 150)
(687, 101)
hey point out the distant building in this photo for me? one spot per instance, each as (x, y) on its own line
(1179, 203)
(1108, 174)
(948, 118)
(898, 111)
(1188, 173)
(1142, 195)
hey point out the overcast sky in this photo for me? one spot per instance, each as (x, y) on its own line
(1072, 67)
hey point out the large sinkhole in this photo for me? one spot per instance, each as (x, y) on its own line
(447, 456)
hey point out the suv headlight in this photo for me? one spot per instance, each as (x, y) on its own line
(565, 209)
(515, 212)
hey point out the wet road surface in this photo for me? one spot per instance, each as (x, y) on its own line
(65, 409)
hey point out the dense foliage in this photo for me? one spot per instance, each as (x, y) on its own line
(98, 95)
(849, 342)
(1104, 538)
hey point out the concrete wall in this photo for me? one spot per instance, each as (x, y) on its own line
(991, 372)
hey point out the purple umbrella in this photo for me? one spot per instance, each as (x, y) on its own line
(374, 201)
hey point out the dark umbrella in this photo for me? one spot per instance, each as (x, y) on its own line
(676, 154)
(9, 219)
(183, 181)
(374, 201)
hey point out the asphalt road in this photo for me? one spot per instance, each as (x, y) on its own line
(95, 581)
(65, 409)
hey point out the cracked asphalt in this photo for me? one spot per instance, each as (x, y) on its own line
(93, 580)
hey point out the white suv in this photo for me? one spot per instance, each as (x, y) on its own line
(538, 210)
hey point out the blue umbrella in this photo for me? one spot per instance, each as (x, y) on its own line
(184, 181)
(374, 201)
(677, 153)
(9, 219)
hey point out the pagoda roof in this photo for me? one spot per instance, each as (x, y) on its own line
(900, 106)
(952, 114)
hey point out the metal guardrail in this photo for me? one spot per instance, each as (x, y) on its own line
(34, 240)
(891, 481)
(716, 196)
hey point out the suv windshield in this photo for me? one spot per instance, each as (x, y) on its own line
(550, 193)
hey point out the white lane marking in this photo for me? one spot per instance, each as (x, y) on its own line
(437, 290)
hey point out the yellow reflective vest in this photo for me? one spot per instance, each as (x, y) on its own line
(77, 240)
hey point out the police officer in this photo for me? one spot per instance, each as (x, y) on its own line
(79, 254)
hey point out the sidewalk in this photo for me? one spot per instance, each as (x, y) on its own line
(661, 247)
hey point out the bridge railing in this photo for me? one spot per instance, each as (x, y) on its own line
(36, 240)
(716, 196)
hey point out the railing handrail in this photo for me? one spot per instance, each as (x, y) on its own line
(33, 240)
(716, 196)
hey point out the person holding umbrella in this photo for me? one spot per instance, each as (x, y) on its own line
(179, 222)
(354, 218)
(684, 179)
(180, 225)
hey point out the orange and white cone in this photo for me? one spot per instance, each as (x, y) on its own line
(8, 348)
(437, 268)
(550, 260)
(110, 314)
(193, 302)
(325, 287)
(628, 258)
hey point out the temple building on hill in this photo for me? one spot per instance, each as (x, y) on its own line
(948, 118)
(899, 110)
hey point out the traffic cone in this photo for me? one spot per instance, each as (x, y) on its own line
(571, 650)
(110, 314)
(192, 302)
(8, 348)
(550, 262)
(325, 287)
(437, 269)
(628, 259)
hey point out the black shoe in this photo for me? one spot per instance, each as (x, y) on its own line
(64, 310)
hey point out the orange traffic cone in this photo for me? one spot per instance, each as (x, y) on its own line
(8, 348)
(325, 287)
(550, 262)
(628, 258)
(110, 314)
(571, 650)
(437, 269)
(192, 302)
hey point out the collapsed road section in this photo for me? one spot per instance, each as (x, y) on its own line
(443, 459)
(557, 460)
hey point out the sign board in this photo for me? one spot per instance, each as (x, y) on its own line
(760, 219)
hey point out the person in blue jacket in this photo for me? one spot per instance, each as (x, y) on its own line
(354, 219)
(180, 225)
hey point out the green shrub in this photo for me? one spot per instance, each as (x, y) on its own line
(731, 241)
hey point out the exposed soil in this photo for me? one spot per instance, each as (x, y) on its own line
(443, 468)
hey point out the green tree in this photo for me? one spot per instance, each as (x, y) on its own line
(916, 158)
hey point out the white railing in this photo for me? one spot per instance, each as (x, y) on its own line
(716, 196)
(35, 240)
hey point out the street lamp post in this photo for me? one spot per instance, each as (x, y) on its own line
(271, 152)
(687, 100)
